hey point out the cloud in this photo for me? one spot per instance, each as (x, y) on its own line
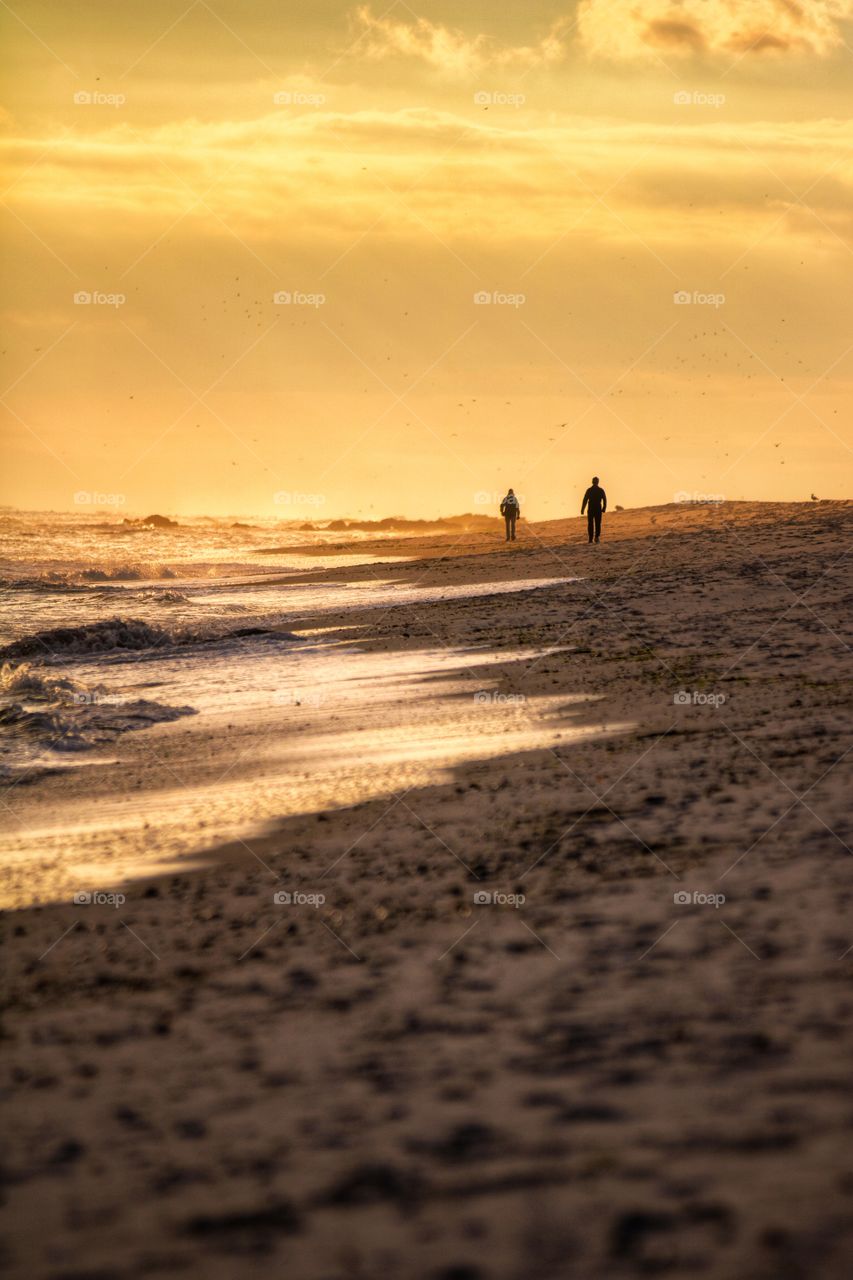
(666, 32)
(339, 176)
(626, 29)
(619, 30)
(449, 50)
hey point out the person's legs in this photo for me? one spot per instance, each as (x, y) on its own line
(507, 522)
(590, 523)
(512, 527)
(598, 526)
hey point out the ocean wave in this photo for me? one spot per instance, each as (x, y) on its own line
(27, 681)
(123, 530)
(44, 712)
(83, 579)
(127, 573)
(78, 726)
(168, 597)
(124, 634)
(91, 638)
(45, 582)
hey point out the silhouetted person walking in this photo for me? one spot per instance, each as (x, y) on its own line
(595, 505)
(510, 510)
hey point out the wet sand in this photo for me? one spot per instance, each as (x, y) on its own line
(387, 1075)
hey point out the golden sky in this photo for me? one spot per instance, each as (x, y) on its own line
(319, 259)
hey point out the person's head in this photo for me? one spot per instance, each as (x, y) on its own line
(595, 479)
(509, 491)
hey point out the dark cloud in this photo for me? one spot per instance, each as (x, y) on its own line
(644, 29)
(668, 32)
(761, 42)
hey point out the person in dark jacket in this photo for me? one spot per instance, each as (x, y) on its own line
(510, 510)
(595, 505)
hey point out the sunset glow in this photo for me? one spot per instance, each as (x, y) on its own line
(393, 260)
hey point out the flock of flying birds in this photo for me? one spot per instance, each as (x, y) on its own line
(260, 315)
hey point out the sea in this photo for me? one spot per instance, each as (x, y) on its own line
(167, 689)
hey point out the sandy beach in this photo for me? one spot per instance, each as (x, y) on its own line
(528, 957)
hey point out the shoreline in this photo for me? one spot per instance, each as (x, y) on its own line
(570, 531)
(403, 1080)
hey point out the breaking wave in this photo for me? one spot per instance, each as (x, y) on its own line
(78, 579)
(93, 637)
(44, 715)
(117, 634)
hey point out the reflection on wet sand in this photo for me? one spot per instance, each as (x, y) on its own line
(279, 732)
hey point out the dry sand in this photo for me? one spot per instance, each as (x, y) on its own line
(401, 1082)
